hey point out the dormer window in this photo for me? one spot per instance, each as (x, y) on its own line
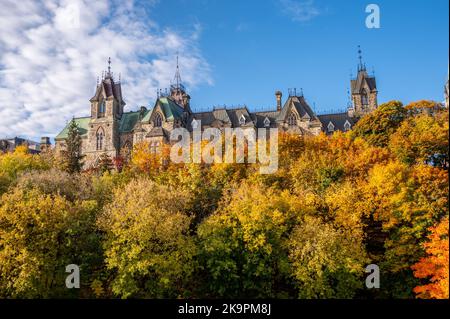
(292, 120)
(242, 119)
(157, 122)
(330, 127)
(101, 109)
(347, 126)
(194, 124)
(266, 122)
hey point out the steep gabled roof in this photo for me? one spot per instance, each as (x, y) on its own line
(171, 109)
(300, 105)
(358, 83)
(83, 126)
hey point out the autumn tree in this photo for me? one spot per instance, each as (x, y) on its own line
(326, 263)
(40, 234)
(242, 247)
(422, 138)
(376, 127)
(435, 265)
(407, 201)
(148, 249)
(105, 163)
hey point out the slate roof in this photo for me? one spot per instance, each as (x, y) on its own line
(338, 121)
(299, 103)
(357, 84)
(111, 89)
(259, 117)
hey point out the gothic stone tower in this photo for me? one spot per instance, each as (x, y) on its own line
(106, 111)
(364, 91)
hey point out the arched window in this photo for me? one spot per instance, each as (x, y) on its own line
(101, 109)
(100, 136)
(364, 98)
(292, 120)
(157, 122)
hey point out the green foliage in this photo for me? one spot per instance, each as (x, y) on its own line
(40, 235)
(242, 246)
(378, 126)
(326, 262)
(147, 245)
(71, 155)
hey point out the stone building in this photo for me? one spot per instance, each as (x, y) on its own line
(10, 144)
(110, 130)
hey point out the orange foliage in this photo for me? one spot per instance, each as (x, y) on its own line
(435, 265)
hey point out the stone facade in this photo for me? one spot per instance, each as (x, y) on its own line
(110, 130)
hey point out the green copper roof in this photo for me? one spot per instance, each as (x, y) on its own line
(128, 121)
(82, 123)
(146, 117)
(171, 109)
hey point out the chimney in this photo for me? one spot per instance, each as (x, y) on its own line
(142, 112)
(278, 95)
(186, 101)
(45, 143)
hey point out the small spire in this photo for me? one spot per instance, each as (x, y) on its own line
(109, 66)
(361, 66)
(120, 75)
(177, 78)
(97, 80)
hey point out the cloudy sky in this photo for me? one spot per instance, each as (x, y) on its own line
(231, 52)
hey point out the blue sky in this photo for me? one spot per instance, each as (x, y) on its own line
(231, 53)
(256, 47)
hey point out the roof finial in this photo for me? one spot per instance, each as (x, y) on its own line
(361, 66)
(109, 66)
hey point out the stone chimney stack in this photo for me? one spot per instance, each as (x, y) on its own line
(278, 95)
(45, 144)
(186, 101)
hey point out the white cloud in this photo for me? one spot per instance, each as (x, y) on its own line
(51, 52)
(300, 10)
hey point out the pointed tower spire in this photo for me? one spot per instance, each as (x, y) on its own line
(177, 78)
